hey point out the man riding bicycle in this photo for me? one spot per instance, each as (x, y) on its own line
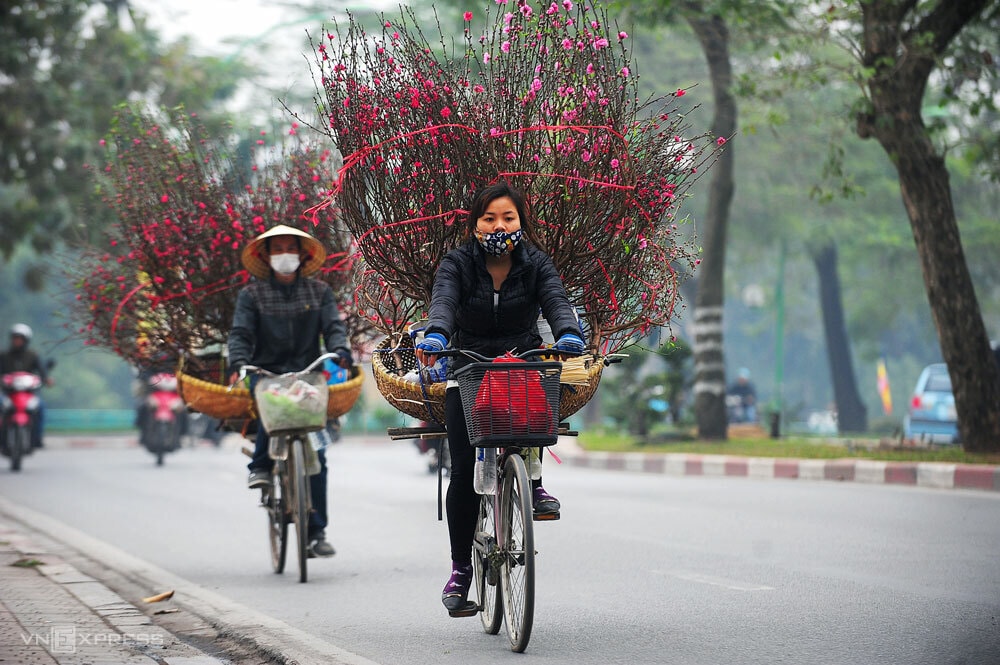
(279, 321)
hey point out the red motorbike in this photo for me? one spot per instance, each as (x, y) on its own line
(19, 414)
(163, 423)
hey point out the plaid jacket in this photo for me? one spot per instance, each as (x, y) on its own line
(279, 327)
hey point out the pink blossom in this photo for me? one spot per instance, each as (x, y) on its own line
(477, 88)
(600, 43)
(680, 93)
(526, 10)
(625, 72)
(567, 43)
(721, 140)
(445, 112)
(467, 16)
(590, 68)
(567, 5)
(164, 198)
(622, 35)
(505, 47)
(494, 131)
(614, 163)
(486, 58)
(102, 142)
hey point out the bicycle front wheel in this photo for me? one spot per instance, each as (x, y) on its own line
(517, 545)
(275, 502)
(486, 562)
(300, 502)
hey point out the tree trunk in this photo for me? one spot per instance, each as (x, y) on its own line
(851, 413)
(901, 72)
(709, 359)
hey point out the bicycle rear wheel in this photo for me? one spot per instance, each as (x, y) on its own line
(486, 563)
(276, 504)
(300, 502)
(517, 573)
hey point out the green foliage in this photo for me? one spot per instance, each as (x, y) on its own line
(647, 388)
(66, 66)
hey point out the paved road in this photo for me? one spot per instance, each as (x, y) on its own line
(641, 569)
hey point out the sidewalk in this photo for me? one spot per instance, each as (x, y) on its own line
(51, 613)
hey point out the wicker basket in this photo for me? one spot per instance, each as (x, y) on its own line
(219, 402)
(393, 358)
(575, 397)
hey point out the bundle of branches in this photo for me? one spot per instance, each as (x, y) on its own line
(545, 98)
(186, 204)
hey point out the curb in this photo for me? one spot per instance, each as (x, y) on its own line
(919, 474)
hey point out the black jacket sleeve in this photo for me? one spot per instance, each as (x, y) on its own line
(334, 330)
(556, 307)
(242, 337)
(446, 296)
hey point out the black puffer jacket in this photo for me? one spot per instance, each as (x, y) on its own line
(462, 304)
(278, 327)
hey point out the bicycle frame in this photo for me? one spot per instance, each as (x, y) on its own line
(289, 499)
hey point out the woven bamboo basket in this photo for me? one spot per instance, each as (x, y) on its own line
(394, 357)
(219, 402)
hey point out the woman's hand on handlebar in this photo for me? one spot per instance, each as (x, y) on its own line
(428, 349)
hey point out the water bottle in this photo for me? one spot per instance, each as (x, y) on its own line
(534, 463)
(484, 479)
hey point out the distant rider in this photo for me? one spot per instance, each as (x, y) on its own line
(19, 358)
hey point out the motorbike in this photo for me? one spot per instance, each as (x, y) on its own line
(162, 426)
(18, 414)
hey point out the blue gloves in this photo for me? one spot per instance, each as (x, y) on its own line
(570, 342)
(433, 343)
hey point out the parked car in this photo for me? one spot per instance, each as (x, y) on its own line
(931, 415)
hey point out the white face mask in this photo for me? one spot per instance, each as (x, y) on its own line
(285, 264)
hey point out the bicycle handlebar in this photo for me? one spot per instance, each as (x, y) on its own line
(253, 369)
(478, 357)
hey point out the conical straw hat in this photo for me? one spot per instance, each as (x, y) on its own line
(256, 259)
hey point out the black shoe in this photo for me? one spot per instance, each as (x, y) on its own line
(545, 503)
(259, 478)
(320, 547)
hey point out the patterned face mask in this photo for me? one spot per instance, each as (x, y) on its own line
(499, 243)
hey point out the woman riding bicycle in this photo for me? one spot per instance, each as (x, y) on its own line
(486, 298)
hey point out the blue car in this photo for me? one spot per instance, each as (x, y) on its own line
(931, 417)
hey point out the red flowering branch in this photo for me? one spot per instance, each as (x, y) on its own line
(186, 205)
(543, 95)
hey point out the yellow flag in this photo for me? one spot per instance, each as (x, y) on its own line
(883, 386)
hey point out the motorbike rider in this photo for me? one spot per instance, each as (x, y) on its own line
(279, 320)
(20, 358)
(158, 363)
(745, 398)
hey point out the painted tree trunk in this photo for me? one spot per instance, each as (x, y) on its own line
(709, 359)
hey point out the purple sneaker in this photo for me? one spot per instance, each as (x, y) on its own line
(456, 591)
(544, 503)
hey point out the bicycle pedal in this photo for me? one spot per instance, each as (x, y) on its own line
(545, 517)
(470, 609)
